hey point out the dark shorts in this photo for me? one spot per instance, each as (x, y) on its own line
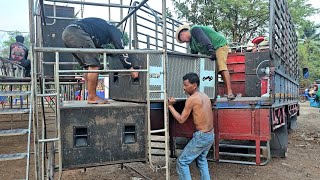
(75, 37)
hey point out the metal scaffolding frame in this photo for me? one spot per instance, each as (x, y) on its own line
(40, 141)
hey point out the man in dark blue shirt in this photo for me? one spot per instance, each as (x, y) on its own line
(93, 33)
(19, 54)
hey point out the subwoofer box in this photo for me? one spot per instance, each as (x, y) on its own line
(125, 88)
(102, 134)
(52, 37)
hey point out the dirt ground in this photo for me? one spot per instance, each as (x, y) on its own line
(302, 162)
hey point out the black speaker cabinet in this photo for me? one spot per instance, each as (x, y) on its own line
(124, 88)
(254, 59)
(52, 37)
(103, 134)
(253, 83)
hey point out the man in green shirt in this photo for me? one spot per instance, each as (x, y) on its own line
(205, 40)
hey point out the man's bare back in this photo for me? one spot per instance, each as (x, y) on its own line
(201, 111)
(198, 104)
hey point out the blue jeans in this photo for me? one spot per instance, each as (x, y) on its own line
(197, 148)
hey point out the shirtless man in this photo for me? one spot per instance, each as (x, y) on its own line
(198, 147)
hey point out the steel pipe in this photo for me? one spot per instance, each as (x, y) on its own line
(91, 50)
(92, 3)
(97, 71)
(133, 11)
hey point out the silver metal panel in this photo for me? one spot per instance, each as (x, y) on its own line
(155, 60)
(178, 66)
(209, 65)
(207, 77)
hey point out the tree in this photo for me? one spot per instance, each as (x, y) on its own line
(241, 20)
(5, 46)
(300, 10)
(309, 51)
(310, 35)
(238, 20)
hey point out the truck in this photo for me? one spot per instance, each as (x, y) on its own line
(254, 127)
(248, 130)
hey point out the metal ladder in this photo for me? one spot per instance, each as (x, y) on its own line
(155, 141)
(44, 158)
(18, 132)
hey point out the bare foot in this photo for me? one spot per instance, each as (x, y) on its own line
(100, 101)
(97, 100)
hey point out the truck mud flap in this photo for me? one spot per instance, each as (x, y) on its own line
(279, 142)
(292, 123)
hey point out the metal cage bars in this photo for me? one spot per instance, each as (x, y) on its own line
(34, 56)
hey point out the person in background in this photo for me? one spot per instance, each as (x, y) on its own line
(315, 86)
(19, 54)
(317, 96)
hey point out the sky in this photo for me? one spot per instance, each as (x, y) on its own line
(14, 13)
(316, 4)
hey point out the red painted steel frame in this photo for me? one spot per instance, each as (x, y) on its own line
(242, 124)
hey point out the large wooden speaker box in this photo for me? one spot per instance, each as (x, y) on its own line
(52, 37)
(103, 134)
(125, 88)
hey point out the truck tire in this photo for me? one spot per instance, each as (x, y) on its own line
(302, 98)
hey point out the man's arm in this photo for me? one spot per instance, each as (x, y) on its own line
(202, 38)
(26, 54)
(193, 51)
(116, 38)
(124, 59)
(185, 113)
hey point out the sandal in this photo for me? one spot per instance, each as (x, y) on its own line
(230, 97)
(100, 101)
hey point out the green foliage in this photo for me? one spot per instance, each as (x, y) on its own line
(309, 43)
(241, 20)
(5, 46)
(309, 52)
(238, 20)
(125, 39)
(168, 13)
(300, 10)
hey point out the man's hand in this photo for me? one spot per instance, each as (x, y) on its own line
(134, 75)
(213, 56)
(171, 101)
